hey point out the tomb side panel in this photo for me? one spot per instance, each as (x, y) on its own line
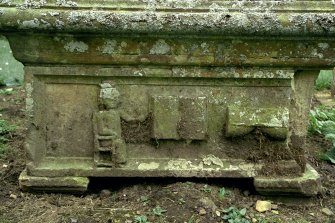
(68, 123)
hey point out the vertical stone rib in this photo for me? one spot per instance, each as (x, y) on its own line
(302, 92)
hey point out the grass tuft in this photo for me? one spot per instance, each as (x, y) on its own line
(6, 131)
(324, 80)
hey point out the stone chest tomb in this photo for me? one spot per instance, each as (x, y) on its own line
(150, 88)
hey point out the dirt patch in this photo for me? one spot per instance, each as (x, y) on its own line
(256, 147)
(297, 143)
(276, 168)
(137, 131)
(324, 97)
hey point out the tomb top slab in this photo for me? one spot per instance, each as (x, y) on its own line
(229, 18)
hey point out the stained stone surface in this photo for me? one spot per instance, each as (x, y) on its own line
(196, 88)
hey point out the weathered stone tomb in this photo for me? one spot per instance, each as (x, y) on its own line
(151, 88)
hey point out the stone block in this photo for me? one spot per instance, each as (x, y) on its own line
(193, 118)
(179, 117)
(309, 184)
(271, 121)
(165, 113)
(59, 184)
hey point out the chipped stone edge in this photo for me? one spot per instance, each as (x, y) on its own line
(309, 184)
(59, 184)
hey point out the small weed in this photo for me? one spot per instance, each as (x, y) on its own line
(206, 189)
(158, 211)
(145, 199)
(5, 133)
(7, 91)
(3, 141)
(188, 183)
(222, 193)
(234, 215)
(4, 220)
(191, 219)
(181, 201)
(141, 219)
(5, 127)
(324, 80)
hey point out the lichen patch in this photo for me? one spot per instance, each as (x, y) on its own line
(35, 23)
(323, 46)
(178, 4)
(66, 3)
(76, 46)
(59, 24)
(148, 166)
(212, 160)
(6, 2)
(31, 4)
(160, 48)
(109, 47)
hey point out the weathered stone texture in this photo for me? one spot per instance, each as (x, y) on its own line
(194, 88)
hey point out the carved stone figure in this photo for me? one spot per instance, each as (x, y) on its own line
(110, 148)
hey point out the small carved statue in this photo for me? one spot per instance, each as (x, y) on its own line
(110, 148)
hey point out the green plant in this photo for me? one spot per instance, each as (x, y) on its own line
(2, 83)
(234, 215)
(322, 122)
(324, 80)
(145, 199)
(181, 201)
(206, 188)
(4, 220)
(141, 219)
(8, 91)
(5, 127)
(191, 219)
(158, 211)
(222, 193)
(5, 133)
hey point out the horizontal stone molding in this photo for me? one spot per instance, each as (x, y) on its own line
(230, 18)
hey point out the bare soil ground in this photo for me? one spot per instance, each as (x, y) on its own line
(122, 200)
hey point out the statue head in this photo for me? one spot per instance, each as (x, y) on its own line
(109, 96)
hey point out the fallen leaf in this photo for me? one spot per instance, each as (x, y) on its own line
(202, 211)
(327, 211)
(262, 206)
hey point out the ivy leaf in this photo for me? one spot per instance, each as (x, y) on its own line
(243, 211)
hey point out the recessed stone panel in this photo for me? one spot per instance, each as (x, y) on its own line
(68, 111)
(193, 118)
(165, 117)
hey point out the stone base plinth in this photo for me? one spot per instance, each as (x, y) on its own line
(51, 180)
(308, 185)
(58, 184)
